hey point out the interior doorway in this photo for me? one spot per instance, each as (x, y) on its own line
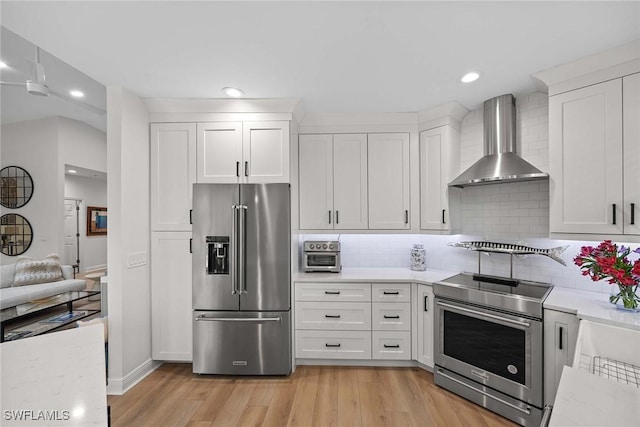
(72, 233)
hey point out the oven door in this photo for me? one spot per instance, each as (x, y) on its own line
(498, 350)
(321, 261)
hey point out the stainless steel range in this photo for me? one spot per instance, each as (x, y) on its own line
(488, 345)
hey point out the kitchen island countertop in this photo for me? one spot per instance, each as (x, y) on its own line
(594, 306)
(387, 274)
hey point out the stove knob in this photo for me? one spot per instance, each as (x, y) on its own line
(324, 246)
(311, 246)
(331, 246)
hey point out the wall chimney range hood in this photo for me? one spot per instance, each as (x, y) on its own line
(500, 162)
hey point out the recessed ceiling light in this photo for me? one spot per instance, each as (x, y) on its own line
(232, 92)
(72, 171)
(3, 65)
(76, 93)
(471, 76)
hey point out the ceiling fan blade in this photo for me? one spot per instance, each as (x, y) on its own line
(78, 102)
(13, 84)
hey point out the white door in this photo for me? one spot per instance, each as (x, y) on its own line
(631, 137)
(585, 160)
(71, 231)
(316, 182)
(388, 184)
(350, 202)
(171, 296)
(265, 152)
(173, 172)
(425, 325)
(219, 152)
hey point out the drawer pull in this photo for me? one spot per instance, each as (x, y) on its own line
(391, 292)
(332, 345)
(332, 292)
(391, 317)
(392, 346)
(332, 316)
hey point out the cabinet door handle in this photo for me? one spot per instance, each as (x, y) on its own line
(190, 216)
(426, 302)
(337, 218)
(392, 346)
(560, 333)
(391, 317)
(332, 345)
(391, 292)
(614, 214)
(190, 246)
(246, 168)
(329, 217)
(332, 316)
(633, 214)
(406, 217)
(332, 292)
(238, 169)
(443, 212)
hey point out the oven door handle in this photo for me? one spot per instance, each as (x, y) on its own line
(504, 402)
(479, 313)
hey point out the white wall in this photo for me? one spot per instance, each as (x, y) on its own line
(82, 145)
(92, 192)
(33, 145)
(129, 232)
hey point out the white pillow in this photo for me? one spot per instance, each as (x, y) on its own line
(31, 271)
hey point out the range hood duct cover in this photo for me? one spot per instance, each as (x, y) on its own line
(500, 162)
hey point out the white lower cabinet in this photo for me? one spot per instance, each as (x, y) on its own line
(424, 343)
(360, 321)
(560, 335)
(171, 296)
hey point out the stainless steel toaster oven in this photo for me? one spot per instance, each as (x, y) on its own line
(322, 256)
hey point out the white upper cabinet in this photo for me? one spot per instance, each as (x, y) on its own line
(243, 152)
(350, 181)
(631, 138)
(388, 185)
(173, 172)
(333, 181)
(316, 181)
(438, 156)
(586, 160)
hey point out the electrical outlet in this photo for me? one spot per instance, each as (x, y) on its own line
(136, 259)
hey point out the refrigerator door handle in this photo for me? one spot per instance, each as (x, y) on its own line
(202, 317)
(242, 252)
(234, 250)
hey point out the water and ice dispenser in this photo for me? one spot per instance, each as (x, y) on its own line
(217, 255)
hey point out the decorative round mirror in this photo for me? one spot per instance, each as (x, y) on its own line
(16, 187)
(15, 234)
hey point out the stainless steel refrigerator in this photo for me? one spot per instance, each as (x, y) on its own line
(241, 279)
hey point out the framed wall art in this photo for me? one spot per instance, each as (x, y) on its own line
(96, 221)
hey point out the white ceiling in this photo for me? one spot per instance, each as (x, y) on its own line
(335, 56)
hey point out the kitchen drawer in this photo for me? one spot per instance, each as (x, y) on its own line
(347, 292)
(333, 344)
(391, 345)
(391, 292)
(390, 316)
(334, 316)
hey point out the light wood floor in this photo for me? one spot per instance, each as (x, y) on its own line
(312, 396)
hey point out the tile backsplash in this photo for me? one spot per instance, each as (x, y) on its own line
(393, 250)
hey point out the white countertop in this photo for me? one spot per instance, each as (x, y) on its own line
(584, 399)
(393, 275)
(594, 306)
(62, 373)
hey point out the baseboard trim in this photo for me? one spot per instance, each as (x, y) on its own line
(119, 386)
(339, 362)
(95, 268)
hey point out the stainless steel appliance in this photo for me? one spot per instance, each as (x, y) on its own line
(241, 279)
(488, 343)
(322, 256)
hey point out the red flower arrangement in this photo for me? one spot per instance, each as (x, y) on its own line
(607, 261)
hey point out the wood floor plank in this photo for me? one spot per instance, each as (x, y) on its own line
(313, 395)
(348, 398)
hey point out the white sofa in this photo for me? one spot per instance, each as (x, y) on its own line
(11, 296)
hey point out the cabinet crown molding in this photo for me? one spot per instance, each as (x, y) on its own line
(450, 113)
(213, 105)
(601, 66)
